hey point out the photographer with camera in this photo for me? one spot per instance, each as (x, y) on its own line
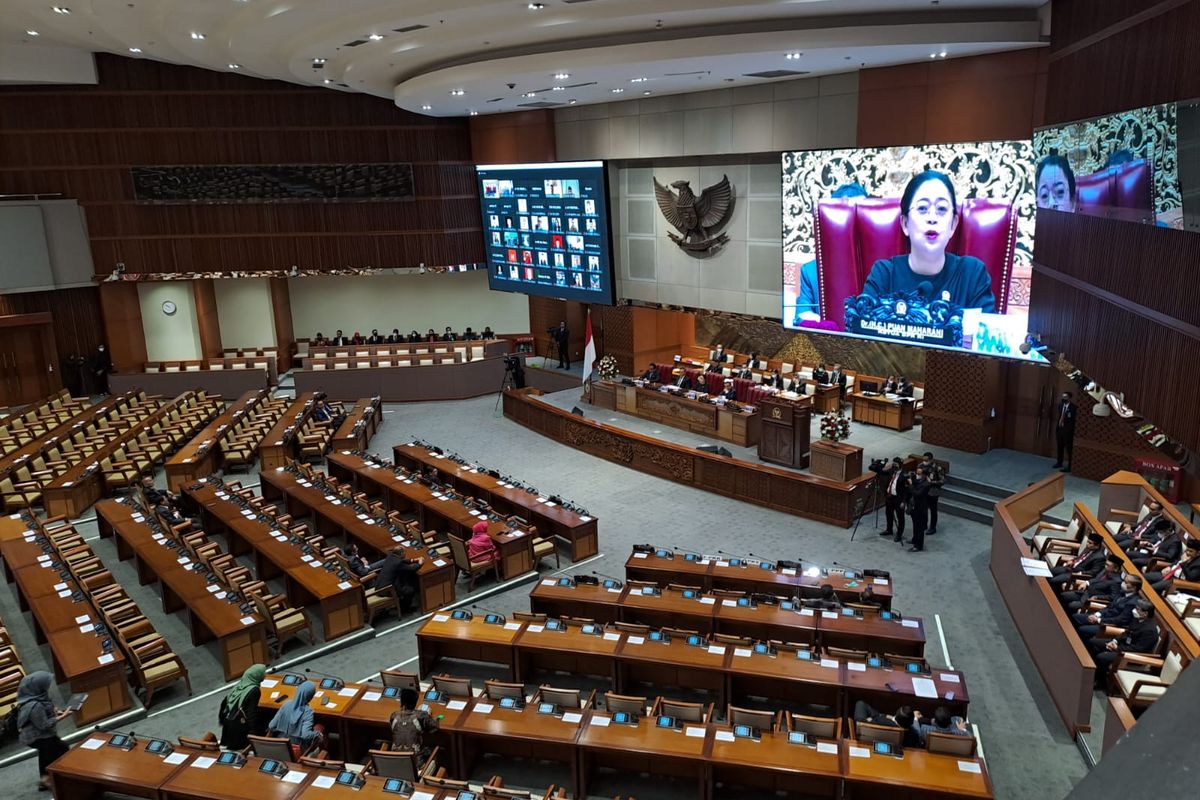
(895, 492)
(515, 366)
(918, 507)
(937, 479)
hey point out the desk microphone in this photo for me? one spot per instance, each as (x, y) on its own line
(610, 582)
(732, 555)
(496, 618)
(337, 683)
(679, 549)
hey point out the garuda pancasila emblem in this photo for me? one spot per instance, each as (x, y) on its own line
(696, 217)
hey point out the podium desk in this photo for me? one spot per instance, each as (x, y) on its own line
(878, 409)
(771, 763)
(677, 410)
(442, 636)
(918, 774)
(643, 748)
(570, 650)
(84, 773)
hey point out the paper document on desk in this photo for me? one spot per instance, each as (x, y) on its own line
(203, 762)
(324, 782)
(970, 766)
(456, 705)
(1035, 568)
(92, 744)
(175, 758)
(724, 736)
(923, 687)
(695, 733)
(294, 777)
(572, 718)
(860, 752)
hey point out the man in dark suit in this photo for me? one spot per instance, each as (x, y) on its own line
(937, 479)
(395, 337)
(449, 335)
(904, 388)
(744, 373)
(729, 392)
(774, 380)
(838, 378)
(681, 381)
(1064, 429)
(1089, 561)
(375, 338)
(1118, 613)
(797, 385)
(1105, 585)
(719, 354)
(651, 374)
(339, 339)
(918, 508)
(1141, 636)
(1143, 532)
(562, 338)
(102, 367)
(714, 367)
(1167, 549)
(820, 374)
(1187, 568)
(401, 574)
(895, 492)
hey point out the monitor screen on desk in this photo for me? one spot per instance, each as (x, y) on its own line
(869, 387)
(546, 229)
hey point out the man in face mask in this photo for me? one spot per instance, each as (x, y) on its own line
(1117, 614)
(102, 367)
(1140, 637)
(1064, 429)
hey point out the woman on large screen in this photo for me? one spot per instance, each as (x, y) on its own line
(929, 217)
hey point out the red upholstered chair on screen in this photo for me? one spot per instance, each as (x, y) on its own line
(852, 234)
(1123, 186)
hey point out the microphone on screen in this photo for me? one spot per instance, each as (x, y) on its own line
(925, 289)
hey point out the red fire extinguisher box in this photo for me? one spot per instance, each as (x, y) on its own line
(1165, 476)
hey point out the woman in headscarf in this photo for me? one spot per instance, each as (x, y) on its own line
(239, 716)
(37, 722)
(480, 546)
(294, 721)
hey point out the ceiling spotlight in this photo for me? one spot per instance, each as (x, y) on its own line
(32, 33)
(318, 62)
(535, 6)
(60, 9)
(646, 92)
(571, 102)
(557, 88)
(135, 49)
(458, 92)
(426, 107)
(374, 37)
(474, 113)
(235, 66)
(197, 36)
(942, 54)
(529, 94)
(561, 76)
(933, 55)
(793, 56)
(617, 91)
(638, 80)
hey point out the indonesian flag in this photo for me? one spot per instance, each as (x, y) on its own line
(589, 349)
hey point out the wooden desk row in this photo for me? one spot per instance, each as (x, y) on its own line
(279, 445)
(710, 614)
(729, 672)
(360, 425)
(579, 530)
(708, 572)
(587, 738)
(93, 769)
(307, 582)
(64, 622)
(337, 516)
(401, 491)
(87, 416)
(201, 456)
(241, 638)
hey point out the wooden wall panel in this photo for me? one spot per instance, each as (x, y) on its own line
(978, 98)
(1120, 54)
(78, 326)
(516, 138)
(207, 323)
(547, 312)
(123, 325)
(285, 336)
(80, 141)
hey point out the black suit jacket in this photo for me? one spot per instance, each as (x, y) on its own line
(1119, 611)
(1104, 584)
(1169, 549)
(1092, 563)
(798, 386)
(1140, 637)
(651, 375)
(901, 485)
(905, 391)
(339, 341)
(682, 382)
(1065, 423)
(820, 376)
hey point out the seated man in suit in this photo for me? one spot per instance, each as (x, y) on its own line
(1187, 568)
(449, 335)
(903, 718)
(1140, 636)
(838, 378)
(940, 722)
(680, 379)
(651, 374)
(375, 338)
(719, 354)
(339, 339)
(1103, 586)
(729, 392)
(469, 335)
(797, 385)
(1087, 563)
(1167, 549)
(820, 375)
(414, 338)
(744, 373)
(773, 379)
(1118, 613)
(904, 389)
(826, 599)
(319, 340)
(714, 367)
(401, 574)
(153, 494)
(487, 332)
(890, 386)
(1145, 530)
(394, 337)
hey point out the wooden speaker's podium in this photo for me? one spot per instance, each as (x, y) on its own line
(784, 431)
(836, 460)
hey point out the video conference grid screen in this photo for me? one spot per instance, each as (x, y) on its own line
(928, 245)
(546, 229)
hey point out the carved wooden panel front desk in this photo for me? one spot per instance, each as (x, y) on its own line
(739, 427)
(784, 490)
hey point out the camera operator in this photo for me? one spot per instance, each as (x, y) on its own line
(918, 507)
(895, 492)
(515, 366)
(937, 479)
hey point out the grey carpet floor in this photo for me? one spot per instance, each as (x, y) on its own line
(1027, 750)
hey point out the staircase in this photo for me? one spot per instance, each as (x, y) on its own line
(970, 499)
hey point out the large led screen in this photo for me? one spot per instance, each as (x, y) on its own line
(927, 245)
(546, 229)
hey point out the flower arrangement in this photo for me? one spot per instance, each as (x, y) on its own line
(608, 367)
(835, 426)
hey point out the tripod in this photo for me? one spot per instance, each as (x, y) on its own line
(505, 383)
(860, 507)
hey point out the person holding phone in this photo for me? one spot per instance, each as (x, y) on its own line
(37, 722)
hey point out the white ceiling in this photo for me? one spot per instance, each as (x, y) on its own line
(482, 46)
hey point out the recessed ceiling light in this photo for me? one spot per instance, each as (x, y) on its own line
(646, 92)
(235, 66)
(557, 88)
(457, 92)
(196, 35)
(933, 55)
(329, 80)
(135, 49)
(474, 113)
(529, 94)
(374, 37)
(427, 107)
(617, 91)
(61, 9)
(318, 62)
(535, 6)
(942, 54)
(637, 80)
(571, 102)
(793, 56)
(32, 33)
(561, 76)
